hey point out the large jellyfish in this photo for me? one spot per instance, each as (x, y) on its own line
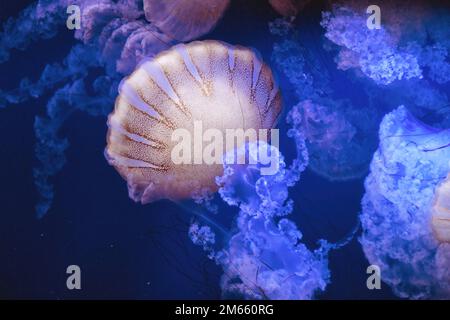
(390, 66)
(201, 87)
(114, 37)
(404, 202)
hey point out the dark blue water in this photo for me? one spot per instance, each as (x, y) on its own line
(127, 250)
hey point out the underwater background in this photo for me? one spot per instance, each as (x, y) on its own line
(131, 251)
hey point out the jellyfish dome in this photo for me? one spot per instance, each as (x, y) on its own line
(288, 7)
(184, 20)
(405, 195)
(189, 89)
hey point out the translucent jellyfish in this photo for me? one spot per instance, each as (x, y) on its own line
(263, 256)
(201, 86)
(404, 192)
(121, 34)
(341, 129)
(440, 212)
(114, 38)
(372, 51)
(412, 41)
(184, 20)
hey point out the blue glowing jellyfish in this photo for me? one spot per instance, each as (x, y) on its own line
(372, 50)
(396, 64)
(261, 256)
(411, 41)
(340, 133)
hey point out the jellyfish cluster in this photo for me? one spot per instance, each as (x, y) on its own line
(411, 43)
(138, 64)
(115, 36)
(376, 54)
(262, 255)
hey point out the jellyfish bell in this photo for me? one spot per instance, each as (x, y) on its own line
(440, 213)
(204, 83)
(184, 20)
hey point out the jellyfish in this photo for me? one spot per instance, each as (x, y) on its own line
(115, 36)
(330, 134)
(263, 257)
(403, 209)
(388, 68)
(200, 86)
(184, 20)
(440, 213)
